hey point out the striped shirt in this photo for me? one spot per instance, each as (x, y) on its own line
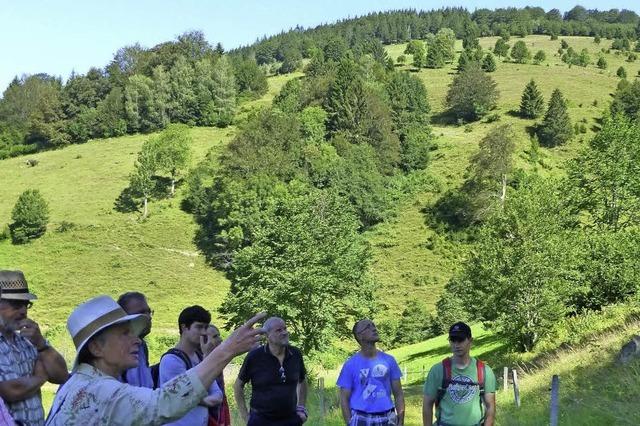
(17, 360)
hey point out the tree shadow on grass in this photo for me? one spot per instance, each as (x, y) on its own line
(128, 200)
(445, 118)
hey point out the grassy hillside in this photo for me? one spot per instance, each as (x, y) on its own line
(414, 261)
(107, 251)
(110, 252)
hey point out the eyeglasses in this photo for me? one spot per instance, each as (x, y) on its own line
(18, 304)
(283, 377)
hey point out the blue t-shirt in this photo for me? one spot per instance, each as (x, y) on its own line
(369, 380)
(172, 366)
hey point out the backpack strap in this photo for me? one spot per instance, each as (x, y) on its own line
(182, 355)
(446, 380)
(480, 367)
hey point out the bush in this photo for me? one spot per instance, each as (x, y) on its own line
(622, 73)
(30, 217)
(66, 226)
(4, 232)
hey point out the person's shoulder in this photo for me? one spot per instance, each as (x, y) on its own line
(486, 366)
(295, 351)
(255, 353)
(383, 354)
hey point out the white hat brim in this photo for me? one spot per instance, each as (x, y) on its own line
(138, 323)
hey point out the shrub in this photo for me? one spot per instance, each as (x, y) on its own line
(622, 73)
(30, 217)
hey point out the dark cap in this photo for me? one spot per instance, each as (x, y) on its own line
(460, 329)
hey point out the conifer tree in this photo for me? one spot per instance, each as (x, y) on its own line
(223, 93)
(602, 63)
(532, 102)
(622, 73)
(501, 49)
(489, 63)
(539, 57)
(555, 128)
(520, 53)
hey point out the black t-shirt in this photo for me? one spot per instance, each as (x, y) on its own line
(273, 393)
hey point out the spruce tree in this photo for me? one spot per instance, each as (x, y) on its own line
(622, 73)
(555, 128)
(489, 63)
(602, 63)
(30, 216)
(532, 102)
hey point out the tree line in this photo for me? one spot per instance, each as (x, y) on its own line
(403, 26)
(141, 90)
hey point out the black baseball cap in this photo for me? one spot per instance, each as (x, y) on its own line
(460, 329)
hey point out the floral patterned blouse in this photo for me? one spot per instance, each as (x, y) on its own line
(91, 397)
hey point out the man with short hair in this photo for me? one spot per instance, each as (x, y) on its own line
(188, 352)
(367, 381)
(27, 360)
(461, 387)
(278, 381)
(134, 303)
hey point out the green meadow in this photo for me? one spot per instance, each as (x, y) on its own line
(90, 248)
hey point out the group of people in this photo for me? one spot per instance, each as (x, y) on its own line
(112, 382)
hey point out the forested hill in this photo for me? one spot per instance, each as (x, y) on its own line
(420, 183)
(190, 81)
(401, 26)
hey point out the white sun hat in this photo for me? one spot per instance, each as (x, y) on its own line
(95, 315)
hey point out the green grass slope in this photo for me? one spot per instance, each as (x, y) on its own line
(111, 252)
(414, 261)
(106, 251)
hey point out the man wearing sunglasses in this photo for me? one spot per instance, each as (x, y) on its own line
(278, 381)
(461, 387)
(27, 360)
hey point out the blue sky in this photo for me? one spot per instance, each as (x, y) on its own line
(57, 37)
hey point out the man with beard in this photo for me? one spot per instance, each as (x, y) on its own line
(134, 303)
(278, 381)
(27, 360)
(461, 387)
(367, 381)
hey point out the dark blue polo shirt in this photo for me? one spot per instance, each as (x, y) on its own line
(273, 394)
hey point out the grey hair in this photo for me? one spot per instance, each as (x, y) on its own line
(269, 323)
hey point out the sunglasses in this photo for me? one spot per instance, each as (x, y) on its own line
(283, 376)
(18, 304)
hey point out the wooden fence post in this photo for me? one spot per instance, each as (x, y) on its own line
(321, 388)
(516, 388)
(505, 379)
(555, 403)
(406, 374)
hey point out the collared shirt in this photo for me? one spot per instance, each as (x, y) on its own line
(91, 397)
(17, 360)
(273, 391)
(140, 375)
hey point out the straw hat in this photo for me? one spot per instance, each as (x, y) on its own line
(14, 286)
(97, 314)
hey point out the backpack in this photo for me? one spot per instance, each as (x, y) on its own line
(447, 380)
(155, 368)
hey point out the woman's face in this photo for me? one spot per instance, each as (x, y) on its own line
(116, 349)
